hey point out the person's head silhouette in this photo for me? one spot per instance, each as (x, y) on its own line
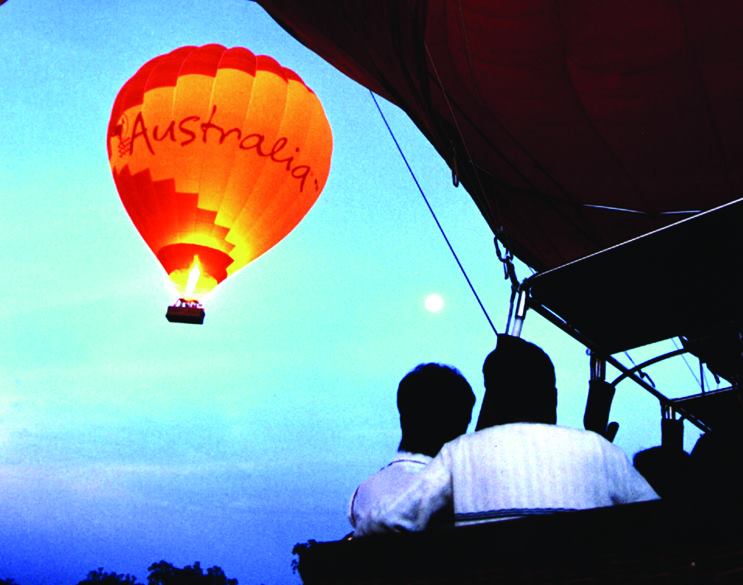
(669, 471)
(519, 385)
(435, 404)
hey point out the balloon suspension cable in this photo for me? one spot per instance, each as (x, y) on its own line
(433, 214)
(509, 273)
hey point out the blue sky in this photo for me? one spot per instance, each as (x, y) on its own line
(125, 439)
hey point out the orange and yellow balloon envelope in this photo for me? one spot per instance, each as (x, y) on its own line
(217, 154)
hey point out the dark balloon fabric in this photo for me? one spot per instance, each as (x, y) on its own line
(574, 125)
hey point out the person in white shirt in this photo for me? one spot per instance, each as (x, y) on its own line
(435, 404)
(518, 462)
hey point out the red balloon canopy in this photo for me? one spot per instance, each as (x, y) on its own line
(573, 125)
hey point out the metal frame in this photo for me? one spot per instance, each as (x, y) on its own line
(650, 362)
(525, 303)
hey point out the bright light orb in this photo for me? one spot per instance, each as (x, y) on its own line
(433, 303)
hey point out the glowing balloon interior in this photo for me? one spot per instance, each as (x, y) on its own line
(217, 154)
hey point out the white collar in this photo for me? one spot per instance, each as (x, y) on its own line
(411, 457)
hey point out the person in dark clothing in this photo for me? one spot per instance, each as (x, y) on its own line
(715, 460)
(669, 471)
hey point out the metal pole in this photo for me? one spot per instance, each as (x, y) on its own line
(520, 315)
(664, 401)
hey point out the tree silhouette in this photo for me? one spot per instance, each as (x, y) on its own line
(163, 573)
(7, 581)
(101, 577)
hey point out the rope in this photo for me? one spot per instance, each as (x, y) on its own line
(688, 366)
(433, 214)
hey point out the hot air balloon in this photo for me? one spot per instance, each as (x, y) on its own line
(602, 141)
(217, 155)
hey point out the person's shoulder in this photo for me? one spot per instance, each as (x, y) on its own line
(478, 436)
(462, 442)
(592, 438)
(487, 436)
(600, 445)
(542, 429)
(539, 431)
(580, 434)
(508, 430)
(409, 459)
(577, 438)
